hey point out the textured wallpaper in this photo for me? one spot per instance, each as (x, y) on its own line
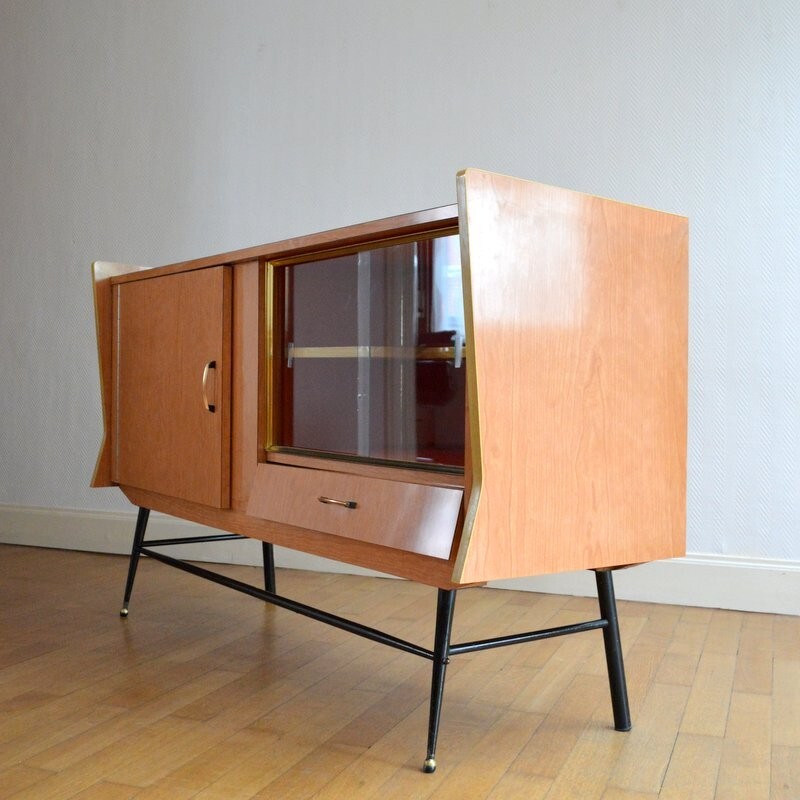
(150, 132)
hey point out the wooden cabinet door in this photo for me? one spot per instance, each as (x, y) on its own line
(172, 385)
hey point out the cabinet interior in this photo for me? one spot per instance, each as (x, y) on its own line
(365, 357)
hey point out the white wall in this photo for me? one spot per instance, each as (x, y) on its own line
(152, 131)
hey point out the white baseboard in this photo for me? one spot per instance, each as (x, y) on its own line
(710, 581)
(705, 580)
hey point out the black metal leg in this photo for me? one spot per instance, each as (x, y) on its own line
(269, 567)
(138, 539)
(616, 668)
(441, 657)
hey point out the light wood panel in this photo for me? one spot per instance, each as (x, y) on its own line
(169, 329)
(433, 219)
(577, 321)
(247, 395)
(404, 564)
(576, 315)
(102, 273)
(407, 516)
(205, 692)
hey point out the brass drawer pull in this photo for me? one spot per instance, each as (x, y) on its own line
(331, 501)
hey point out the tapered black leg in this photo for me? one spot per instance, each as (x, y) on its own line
(441, 657)
(138, 539)
(616, 668)
(269, 567)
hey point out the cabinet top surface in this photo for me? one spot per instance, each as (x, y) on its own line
(432, 219)
(428, 220)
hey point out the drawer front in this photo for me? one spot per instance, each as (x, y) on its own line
(411, 517)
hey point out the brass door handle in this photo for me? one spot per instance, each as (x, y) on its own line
(208, 367)
(331, 501)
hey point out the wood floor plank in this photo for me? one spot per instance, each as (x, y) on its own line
(464, 726)
(487, 762)
(754, 673)
(38, 736)
(757, 634)
(549, 683)
(679, 665)
(709, 700)
(149, 753)
(786, 702)
(516, 786)
(744, 772)
(103, 790)
(693, 768)
(724, 632)
(204, 768)
(551, 744)
(266, 756)
(645, 756)
(118, 728)
(312, 719)
(585, 772)
(786, 636)
(20, 776)
(785, 773)
(203, 694)
(309, 775)
(401, 748)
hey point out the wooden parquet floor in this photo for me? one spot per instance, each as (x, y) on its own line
(204, 693)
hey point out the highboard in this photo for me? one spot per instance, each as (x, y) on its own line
(488, 390)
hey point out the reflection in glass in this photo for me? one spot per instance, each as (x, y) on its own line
(371, 361)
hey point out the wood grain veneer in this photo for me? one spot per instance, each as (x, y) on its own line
(247, 385)
(403, 564)
(576, 311)
(410, 517)
(427, 221)
(168, 329)
(102, 273)
(577, 321)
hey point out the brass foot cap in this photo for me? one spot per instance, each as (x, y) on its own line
(123, 612)
(429, 765)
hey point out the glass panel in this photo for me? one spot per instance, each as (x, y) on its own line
(371, 361)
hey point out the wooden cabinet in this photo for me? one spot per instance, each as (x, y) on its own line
(545, 431)
(513, 405)
(171, 385)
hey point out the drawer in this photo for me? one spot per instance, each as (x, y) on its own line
(407, 516)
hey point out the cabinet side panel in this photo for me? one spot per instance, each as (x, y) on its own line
(104, 325)
(102, 273)
(579, 332)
